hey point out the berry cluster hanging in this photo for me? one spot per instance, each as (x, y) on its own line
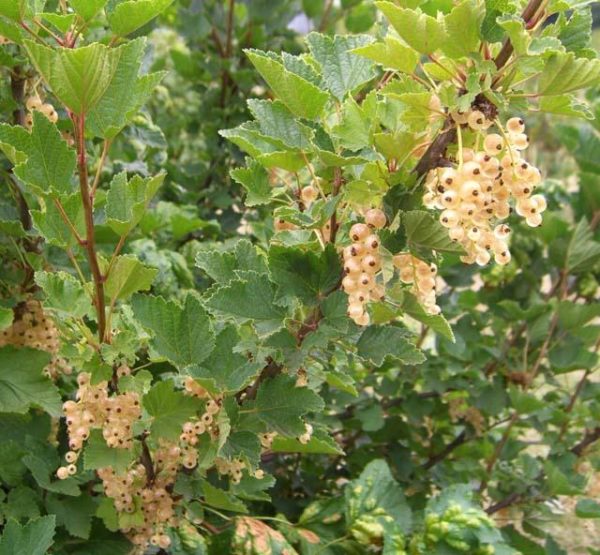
(34, 328)
(362, 263)
(474, 194)
(422, 277)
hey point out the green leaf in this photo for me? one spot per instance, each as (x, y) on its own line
(128, 276)
(22, 502)
(99, 455)
(515, 29)
(463, 26)
(566, 105)
(280, 405)
(87, 9)
(437, 323)
(490, 30)
(423, 232)
(15, 142)
(64, 294)
(342, 70)
(53, 228)
(216, 497)
(74, 513)
(44, 472)
(276, 121)
(77, 76)
(126, 93)
(34, 538)
(305, 275)
(62, 22)
(127, 201)
(50, 162)
(391, 54)
(354, 130)
(564, 73)
(250, 298)
(583, 251)
(587, 508)
(421, 31)
(242, 445)
(29, 386)
(320, 443)
(576, 34)
(133, 14)
(255, 180)
(13, 9)
(6, 318)
(181, 334)
(169, 410)
(377, 343)
(303, 98)
(225, 369)
(376, 493)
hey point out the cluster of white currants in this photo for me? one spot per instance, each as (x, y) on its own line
(34, 328)
(132, 489)
(35, 104)
(422, 277)
(95, 409)
(361, 265)
(474, 196)
(233, 468)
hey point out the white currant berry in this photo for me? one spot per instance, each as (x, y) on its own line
(375, 218)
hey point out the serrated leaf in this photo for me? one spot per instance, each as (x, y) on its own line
(276, 121)
(354, 130)
(29, 386)
(126, 93)
(133, 14)
(422, 32)
(242, 445)
(127, 201)
(225, 369)
(50, 162)
(128, 276)
(463, 27)
(44, 472)
(576, 34)
(566, 105)
(582, 251)
(320, 443)
(376, 493)
(34, 538)
(377, 343)
(302, 97)
(255, 180)
(13, 9)
(305, 275)
(181, 333)
(64, 294)
(53, 228)
(391, 54)
(490, 30)
(424, 232)
(99, 455)
(216, 497)
(169, 410)
(564, 73)
(514, 27)
(15, 142)
(280, 405)
(62, 22)
(74, 513)
(342, 70)
(250, 298)
(437, 323)
(87, 9)
(77, 76)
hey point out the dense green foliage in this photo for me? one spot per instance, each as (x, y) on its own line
(203, 347)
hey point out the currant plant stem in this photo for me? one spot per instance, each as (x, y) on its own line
(90, 240)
